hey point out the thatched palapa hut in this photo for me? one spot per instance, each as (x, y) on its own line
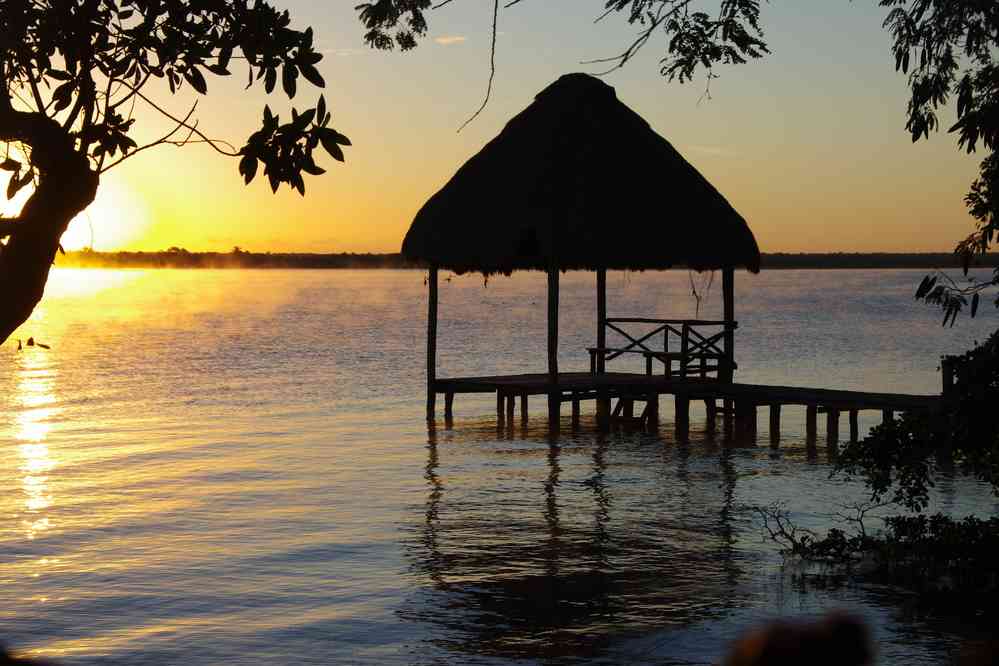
(578, 181)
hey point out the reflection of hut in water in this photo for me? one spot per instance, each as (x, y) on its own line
(578, 181)
(567, 559)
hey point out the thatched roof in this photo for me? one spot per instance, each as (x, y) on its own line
(579, 181)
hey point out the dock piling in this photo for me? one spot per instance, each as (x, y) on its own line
(682, 404)
(854, 426)
(832, 426)
(775, 424)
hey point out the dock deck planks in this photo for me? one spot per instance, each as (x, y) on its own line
(620, 383)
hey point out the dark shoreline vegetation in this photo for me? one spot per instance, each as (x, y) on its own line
(181, 258)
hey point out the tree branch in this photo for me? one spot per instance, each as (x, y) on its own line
(227, 148)
(181, 124)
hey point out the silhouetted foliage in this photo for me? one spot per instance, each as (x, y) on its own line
(77, 75)
(902, 456)
(948, 48)
(948, 560)
(698, 34)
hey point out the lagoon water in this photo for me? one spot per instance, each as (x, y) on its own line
(233, 467)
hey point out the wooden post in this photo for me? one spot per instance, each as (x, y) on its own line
(832, 425)
(449, 406)
(854, 426)
(553, 396)
(523, 408)
(710, 409)
(575, 411)
(603, 410)
(601, 317)
(684, 344)
(728, 295)
(682, 402)
(887, 416)
(603, 401)
(499, 406)
(432, 344)
(711, 414)
(811, 418)
(511, 401)
(627, 405)
(775, 424)
(653, 410)
(745, 419)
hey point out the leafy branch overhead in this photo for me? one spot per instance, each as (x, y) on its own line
(92, 67)
(728, 33)
(948, 49)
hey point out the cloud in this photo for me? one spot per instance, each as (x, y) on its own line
(343, 53)
(448, 40)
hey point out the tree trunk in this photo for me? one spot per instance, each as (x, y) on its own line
(66, 185)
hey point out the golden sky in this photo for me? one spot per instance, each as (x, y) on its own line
(808, 144)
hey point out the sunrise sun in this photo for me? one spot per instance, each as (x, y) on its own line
(116, 217)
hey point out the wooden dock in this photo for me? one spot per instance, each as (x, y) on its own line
(740, 402)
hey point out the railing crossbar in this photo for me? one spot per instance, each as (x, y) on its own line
(640, 342)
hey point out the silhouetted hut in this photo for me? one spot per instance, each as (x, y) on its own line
(577, 181)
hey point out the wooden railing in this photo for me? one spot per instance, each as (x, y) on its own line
(684, 347)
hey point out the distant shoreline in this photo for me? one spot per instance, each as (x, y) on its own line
(179, 258)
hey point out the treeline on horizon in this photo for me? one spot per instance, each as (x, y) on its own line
(181, 258)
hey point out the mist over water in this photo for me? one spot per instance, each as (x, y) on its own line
(233, 466)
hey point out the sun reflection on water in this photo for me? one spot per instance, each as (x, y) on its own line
(36, 399)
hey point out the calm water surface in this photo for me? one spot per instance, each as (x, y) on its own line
(232, 467)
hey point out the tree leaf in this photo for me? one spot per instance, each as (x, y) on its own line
(312, 75)
(248, 168)
(331, 146)
(196, 79)
(321, 109)
(289, 75)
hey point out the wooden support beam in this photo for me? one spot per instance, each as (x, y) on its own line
(854, 426)
(728, 297)
(832, 426)
(627, 405)
(682, 403)
(523, 408)
(432, 344)
(554, 399)
(601, 317)
(575, 411)
(511, 401)
(499, 406)
(775, 424)
(887, 416)
(811, 425)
